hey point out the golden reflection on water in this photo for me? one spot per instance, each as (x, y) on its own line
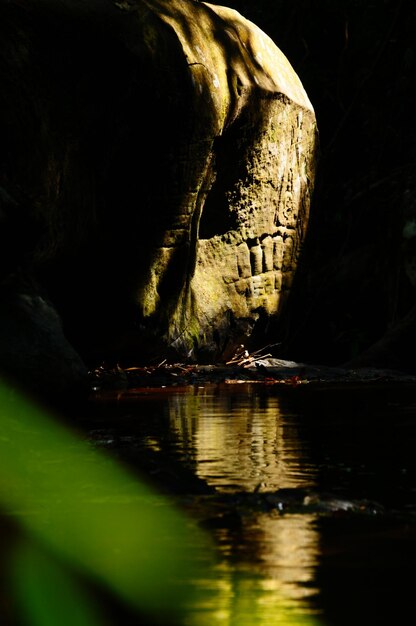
(276, 591)
(241, 441)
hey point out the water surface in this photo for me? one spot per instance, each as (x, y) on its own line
(284, 560)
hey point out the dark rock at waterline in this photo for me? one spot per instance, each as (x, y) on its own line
(34, 352)
(297, 500)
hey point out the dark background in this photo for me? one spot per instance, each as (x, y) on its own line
(356, 60)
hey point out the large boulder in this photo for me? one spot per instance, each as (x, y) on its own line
(164, 151)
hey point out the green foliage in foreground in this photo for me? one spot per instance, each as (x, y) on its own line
(80, 511)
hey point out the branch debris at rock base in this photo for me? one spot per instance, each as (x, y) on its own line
(243, 358)
(242, 368)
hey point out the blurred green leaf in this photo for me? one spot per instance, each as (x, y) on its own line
(94, 514)
(47, 593)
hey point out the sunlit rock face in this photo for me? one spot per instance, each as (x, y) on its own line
(166, 149)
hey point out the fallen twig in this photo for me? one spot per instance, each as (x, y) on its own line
(243, 358)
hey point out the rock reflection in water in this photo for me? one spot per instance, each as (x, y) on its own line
(239, 441)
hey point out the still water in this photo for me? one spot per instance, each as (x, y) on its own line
(308, 493)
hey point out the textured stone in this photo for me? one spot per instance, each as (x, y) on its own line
(166, 149)
(33, 348)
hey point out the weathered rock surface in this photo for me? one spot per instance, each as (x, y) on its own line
(165, 151)
(33, 348)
